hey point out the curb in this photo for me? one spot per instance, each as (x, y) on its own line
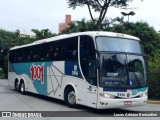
(153, 101)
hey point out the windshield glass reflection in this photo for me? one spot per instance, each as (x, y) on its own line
(122, 70)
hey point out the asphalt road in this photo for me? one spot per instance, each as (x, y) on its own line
(11, 100)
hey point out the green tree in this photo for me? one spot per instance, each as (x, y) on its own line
(81, 26)
(100, 6)
(7, 40)
(42, 34)
(154, 76)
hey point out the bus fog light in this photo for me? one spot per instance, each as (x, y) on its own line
(104, 95)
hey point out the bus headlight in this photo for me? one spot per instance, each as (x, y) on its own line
(104, 95)
(144, 94)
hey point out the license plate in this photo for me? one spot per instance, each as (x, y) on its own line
(128, 103)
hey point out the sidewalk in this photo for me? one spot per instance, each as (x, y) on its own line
(153, 101)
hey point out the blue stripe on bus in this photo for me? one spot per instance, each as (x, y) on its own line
(71, 68)
(25, 68)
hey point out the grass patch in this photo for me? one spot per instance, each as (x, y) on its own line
(2, 75)
(154, 101)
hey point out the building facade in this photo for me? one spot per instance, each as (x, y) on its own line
(66, 24)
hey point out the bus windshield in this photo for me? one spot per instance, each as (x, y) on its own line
(118, 44)
(122, 70)
(121, 63)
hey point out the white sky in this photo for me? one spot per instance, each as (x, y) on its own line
(42, 14)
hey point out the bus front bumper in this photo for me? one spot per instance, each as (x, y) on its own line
(105, 103)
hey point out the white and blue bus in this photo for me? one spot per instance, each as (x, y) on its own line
(96, 69)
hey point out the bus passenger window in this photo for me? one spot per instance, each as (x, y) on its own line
(71, 48)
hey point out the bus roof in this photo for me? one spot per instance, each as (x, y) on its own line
(90, 33)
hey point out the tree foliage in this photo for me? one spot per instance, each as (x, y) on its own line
(81, 26)
(154, 76)
(100, 6)
(42, 34)
(7, 40)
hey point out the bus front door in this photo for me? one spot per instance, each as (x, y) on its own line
(92, 88)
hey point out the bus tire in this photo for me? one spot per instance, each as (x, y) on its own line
(22, 88)
(16, 85)
(70, 97)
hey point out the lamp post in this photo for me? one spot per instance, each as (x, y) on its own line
(128, 14)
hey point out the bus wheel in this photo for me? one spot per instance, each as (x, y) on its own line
(22, 88)
(70, 97)
(16, 85)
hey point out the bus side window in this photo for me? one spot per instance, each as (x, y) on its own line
(30, 54)
(19, 55)
(46, 52)
(36, 52)
(49, 53)
(56, 52)
(88, 59)
(69, 48)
